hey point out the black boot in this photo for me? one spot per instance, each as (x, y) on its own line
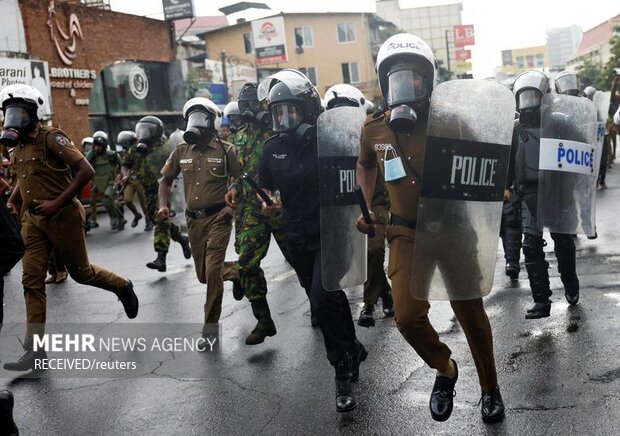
(159, 263)
(187, 251)
(442, 396)
(148, 227)
(571, 291)
(265, 326)
(388, 303)
(129, 299)
(27, 361)
(345, 401)
(136, 220)
(238, 291)
(567, 265)
(359, 356)
(538, 273)
(7, 424)
(366, 318)
(512, 251)
(512, 270)
(492, 405)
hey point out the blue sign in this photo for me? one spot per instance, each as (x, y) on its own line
(217, 91)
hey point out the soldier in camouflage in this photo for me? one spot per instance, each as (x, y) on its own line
(106, 164)
(253, 229)
(147, 159)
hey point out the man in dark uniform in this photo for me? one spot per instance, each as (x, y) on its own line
(290, 164)
(131, 186)
(406, 69)
(147, 159)
(51, 172)
(207, 164)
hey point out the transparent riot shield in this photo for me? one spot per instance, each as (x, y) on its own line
(567, 165)
(343, 248)
(601, 102)
(465, 167)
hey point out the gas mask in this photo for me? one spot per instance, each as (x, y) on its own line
(249, 109)
(408, 97)
(145, 132)
(200, 126)
(235, 122)
(18, 121)
(287, 118)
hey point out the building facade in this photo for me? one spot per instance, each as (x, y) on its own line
(595, 44)
(517, 60)
(561, 44)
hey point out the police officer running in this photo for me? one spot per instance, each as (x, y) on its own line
(51, 172)
(131, 186)
(407, 73)
(207, 164)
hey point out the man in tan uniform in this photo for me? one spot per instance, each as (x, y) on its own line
(207, 164)
(50, 172)
(405, 65)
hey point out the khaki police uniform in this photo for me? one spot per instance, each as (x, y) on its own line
(411, 315)
(43, 168)
(206, 172)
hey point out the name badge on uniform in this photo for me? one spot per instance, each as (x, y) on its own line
(394, 169)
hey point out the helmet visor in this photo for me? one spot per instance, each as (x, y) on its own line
(532, 79)
(406, 86)
(285, 116)
(529, 99)
(296, 82)
(253, 106)
(567, 84)
(16, 117)
(146, 132)
(200, 120)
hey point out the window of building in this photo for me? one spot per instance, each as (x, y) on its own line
(520, 62)
(540, 60)
(350, 73)
(346, 32)
(530, 61)
(247, 42)
(303, 36)
(310, 72)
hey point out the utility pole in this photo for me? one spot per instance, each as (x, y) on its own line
(224, 76)
(447, 50)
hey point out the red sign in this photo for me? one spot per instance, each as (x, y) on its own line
(463, 35)
(462, 55)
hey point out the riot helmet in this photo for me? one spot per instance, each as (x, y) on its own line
(567, 82)
(589, 92)
(529, 88)
(203, 120)
(344, 95)
(233, 115)
(407, 72)
(126, 139)
(22, 107)
(100, 139)
(149, 132)
(294, 104)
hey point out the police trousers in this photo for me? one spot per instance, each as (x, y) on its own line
(377, 283)
(64, 232)
(411, 315)
(208, 238)
(331, 308)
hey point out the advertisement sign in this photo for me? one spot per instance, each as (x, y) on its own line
(217, 91)
(269, 40)
(28, 72)
(463, 35)
(178, 9)
(462, 55)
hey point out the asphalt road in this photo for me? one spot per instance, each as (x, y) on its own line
(558, 376)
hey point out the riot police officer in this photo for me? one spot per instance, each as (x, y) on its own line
(131, 186)
(407, 73)
(529, 88)
(147, 159)
(51, 172)
(376, 285)
(289, 164)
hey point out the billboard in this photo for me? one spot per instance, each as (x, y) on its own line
(463, 35)
(178, 9)
(269, 40)
(462, 55)
(29, 72)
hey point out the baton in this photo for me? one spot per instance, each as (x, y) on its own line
(362, 202)
(257, 188)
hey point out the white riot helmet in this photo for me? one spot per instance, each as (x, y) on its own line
(22, 107)
(567, 82)
(344, 95)
(232, 112)
(589, 91)
(529, 88)
(407, 72)
(203, 119)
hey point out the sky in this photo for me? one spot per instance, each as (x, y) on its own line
(498, 24)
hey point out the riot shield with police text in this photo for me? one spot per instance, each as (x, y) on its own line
(601, 102)
(343, 248)
(567, 165)
(465, 167)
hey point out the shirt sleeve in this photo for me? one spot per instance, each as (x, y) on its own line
(264, 173)
(62, 147)
(233, 163)
(172, 167)
(368, 157)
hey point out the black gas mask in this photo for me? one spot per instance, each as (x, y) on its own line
(235, 122)
(528, 105)
(200, 127)
(146, 134)
(408, 97)
(19, 120)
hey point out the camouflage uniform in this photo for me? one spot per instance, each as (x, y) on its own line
(106, 165)
(253, 229)
(148, 169)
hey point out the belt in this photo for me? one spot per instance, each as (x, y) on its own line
(396, 220)
(201, 213)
